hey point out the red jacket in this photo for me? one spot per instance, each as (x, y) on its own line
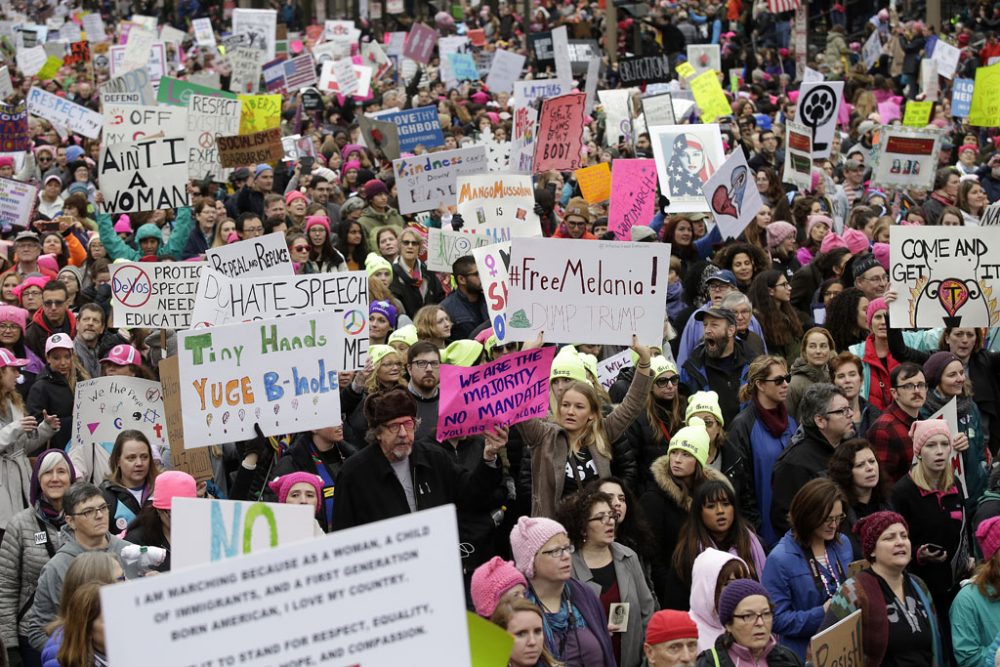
(878, 387)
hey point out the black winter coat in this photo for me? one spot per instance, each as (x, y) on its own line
(405, 289)
(806, 457)
(51, 393)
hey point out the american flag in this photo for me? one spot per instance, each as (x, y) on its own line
(778, 6)
(300, 72)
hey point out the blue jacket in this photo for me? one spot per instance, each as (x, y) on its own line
(51, 649)
(798, 601)
(118, 249)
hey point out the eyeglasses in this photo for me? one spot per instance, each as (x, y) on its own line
(300, 248)
(424, 364)
(411, 243)
(31, 292)
(603, 517)
(882, 278)
(93, 512)
(8, 326)
(391, 365)
(911, 386)
(834, 520)
(754, 616)
(54, 303)
(663, 382)
(709, 422)
(559, 552)
(845, 412)
(784, 284)
(408, 426)
(781, 379)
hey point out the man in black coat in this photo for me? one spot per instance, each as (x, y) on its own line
(394, 475)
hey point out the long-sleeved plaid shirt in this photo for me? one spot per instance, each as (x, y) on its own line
(890, 439)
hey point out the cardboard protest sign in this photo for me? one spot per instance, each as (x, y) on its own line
(498, 205)
(127, 124)
(64, 114)
(426, 182)
(658, 110)
(961, 97)
(946, 56)
(246, 65)
(420, 43)
(817, 109)
(512, 389)
(633, 195)
(637, 70)
(195, 462)
(17, 200)
(208, 118)
(129, 89)
(137, 48)
(106, 406)
(504, 71)
(259, 112)
(732, 196)
(945, 276)
(381, 135)
(154, 295)
(259, 25)
(709, 96)
(263, 256)
(216, 530)
(175, 92)
(221, 300)
(280, 374)
(416, 127)
(839, 644)
(14, 127)
(595, 182)
(798, 155)
(444, 246)
(686, 157)
(608, 369)
(248, 149)
(560, 134)
(492, 262)
(608, 289)
(365, 574)
(144, 176)
(906, 158)
(917, 114)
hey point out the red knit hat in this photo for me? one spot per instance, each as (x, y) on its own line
(668, 625)
(870, 528)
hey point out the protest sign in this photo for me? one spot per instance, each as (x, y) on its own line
(172, 35)
(279, 374)
(504, 71)
(106, 406)
(249, 149)
(221, 300)
(658, 110)
(633, 195)
(618, 121)
(541, 49)
(946, 57)
(144, 176)
(608, 289)
(817, 109)
(732, 196)
(216, 530)
(906, 158)
(6, 85)
(372, 55)
(127, 124)
(364, 576)
(203, 33)
(14, 127)
(560, 134)
(259, 112)
(595, 182)
(839, 644)
(512, 389)
(560, 53)
(798, 151)
(335, 73)
(17, 200)
(31, 60)
(416, 127)
(463, 67)
(872, 50)
(175, 92)
(686, 157)
(709, 96)
(637, 70)
(917, 114)
(156, 65)
(608, 369)
(263, 256)
(195, 462)
(246, 65)
(137, 49)
(529, 92)
(502, 206)
(130, 89)
(64, 114)
(154, 295)
(426, 182)
(299, 72)
(420, 43)
(274, 77)
(990, 216)
(259, 25)
(50, 68)
(929, 83)
(961, 97)
(208, 118)
(381, 135)
(944, 276)
(444, 246)
(704, 57)
(94, 25)
(492, 262)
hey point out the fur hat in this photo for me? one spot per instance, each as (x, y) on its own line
(392, 404)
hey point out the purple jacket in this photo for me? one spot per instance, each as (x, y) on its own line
(593, 613)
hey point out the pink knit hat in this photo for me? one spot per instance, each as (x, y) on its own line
(490, 581)
(352, 164)
(18, 316)
(778, 231)
(923, 430)
(816, 219)
(49, 262)
(528, 536)
(124, 225)
(292, 195)
(33, 281)
(321, 220)
(282, 485)
(856, 241)
(874, 306)
(832, 241)
(988, 535)
(173, 484)
(881, 252)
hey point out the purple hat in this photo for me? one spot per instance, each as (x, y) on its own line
(734, 593)
(386, 309)
(374, 187)
(935, 365)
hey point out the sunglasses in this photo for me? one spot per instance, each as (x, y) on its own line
(300, 248)
(663, 382)
(781, 379)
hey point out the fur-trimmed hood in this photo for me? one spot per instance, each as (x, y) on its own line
(661, 474)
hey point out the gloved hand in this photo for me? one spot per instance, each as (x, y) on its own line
(457, 221)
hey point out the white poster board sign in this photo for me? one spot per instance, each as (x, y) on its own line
(246, 66)
(504, 71)
(209, 117)
(64, 114)
(128, 124)
(492, 262)
(502, 206)
(444, 246)
(154, 295)
(798, 155)
(872, 50)
(263, 256)
(369, 577)
(817, 109)
(686, 156)
(946, 57)
(732, 196)
(603, 290)
(907, 157)
(130, 89)
(144, 176)
(608, 369)
(17, 200)
(260, 26)
(428, 181)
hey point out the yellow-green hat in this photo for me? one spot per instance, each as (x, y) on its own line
(567, 364)
(378, 352)
(589, 362)
(704, 401)
(654, 349)
(375, 263)
(462, 353)
(659, 365)
(405, 334)
(692, 439)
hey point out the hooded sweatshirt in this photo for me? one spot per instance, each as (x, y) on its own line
(704, 578)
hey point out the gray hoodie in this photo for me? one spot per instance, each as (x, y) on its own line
(50, 582)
